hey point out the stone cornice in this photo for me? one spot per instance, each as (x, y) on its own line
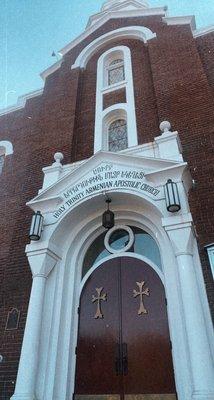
(109, 4)
(185, 20)
(119, 8)
(21, 102)
(51, 69)
(107, 17)
(203, 31)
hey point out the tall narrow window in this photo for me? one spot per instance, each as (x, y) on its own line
(115, 122)
(116, 72)
(6, 148)
(2, 157)
(117, 135)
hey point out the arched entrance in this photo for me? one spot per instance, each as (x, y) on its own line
(123, 349)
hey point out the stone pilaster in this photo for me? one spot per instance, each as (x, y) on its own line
(182, 239)
(42, 262)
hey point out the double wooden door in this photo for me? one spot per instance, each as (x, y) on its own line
(123, 349)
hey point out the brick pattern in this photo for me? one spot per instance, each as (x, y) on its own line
(172, 82)
(117, 96)
(205, 46)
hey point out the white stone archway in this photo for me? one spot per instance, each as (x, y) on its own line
(72, 222)
(130, 32)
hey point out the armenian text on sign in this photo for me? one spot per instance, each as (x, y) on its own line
(103, 178)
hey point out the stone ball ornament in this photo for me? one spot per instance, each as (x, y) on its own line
(165, 126)
(58, 157)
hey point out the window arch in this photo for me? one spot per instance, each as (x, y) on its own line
(115, 129)
(113, 68)
(144, 245)
(6, 148)
(117, 135)
(116, 72)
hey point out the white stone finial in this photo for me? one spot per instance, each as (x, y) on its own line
(165, 126)
(58, 157)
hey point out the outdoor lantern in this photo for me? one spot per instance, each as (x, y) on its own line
(172, 196)
(210, 252)
(108, 217)
(36, 226)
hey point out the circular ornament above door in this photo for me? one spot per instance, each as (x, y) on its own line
(125, 239)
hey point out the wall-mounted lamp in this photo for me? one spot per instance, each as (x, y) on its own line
(210, 252)
(172, 196)
(36, 226)
(108, 217)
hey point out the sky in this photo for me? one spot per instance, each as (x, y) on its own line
(30, 30)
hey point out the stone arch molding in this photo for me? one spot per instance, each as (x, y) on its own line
(131, 32)
(56, 259)
(107, 172)
(78, 236)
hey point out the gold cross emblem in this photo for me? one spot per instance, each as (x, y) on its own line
(98, 299)
(141, 293)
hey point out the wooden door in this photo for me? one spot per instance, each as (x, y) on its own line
(123, 348)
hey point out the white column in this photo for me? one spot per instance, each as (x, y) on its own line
(202, 366)
(41, 263)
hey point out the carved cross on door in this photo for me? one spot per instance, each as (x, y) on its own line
(98, 299)
(141, 293)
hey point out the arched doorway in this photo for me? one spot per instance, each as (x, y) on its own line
(123, 349)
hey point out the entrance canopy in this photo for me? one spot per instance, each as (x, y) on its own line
(107, 173)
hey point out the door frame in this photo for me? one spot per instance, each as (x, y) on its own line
(175, 318)
(90, 272)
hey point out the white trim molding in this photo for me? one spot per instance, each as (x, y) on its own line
(98, 19)
(131, 32)
(123, 4)
(48, 71)
(21, 102)
(186, 20)
(116, 111)
(203, 31)
(112, 15)
(109, 115)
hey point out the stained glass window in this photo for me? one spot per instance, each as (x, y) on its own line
(117, 135)
(1, 162)
(12, 319)
(116, 72)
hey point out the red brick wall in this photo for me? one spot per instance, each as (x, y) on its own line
(115, 97)
(37, 132)
(205, 46)
(171, 81)
(184, 98)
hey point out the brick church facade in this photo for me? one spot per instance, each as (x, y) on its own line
(130, 72)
